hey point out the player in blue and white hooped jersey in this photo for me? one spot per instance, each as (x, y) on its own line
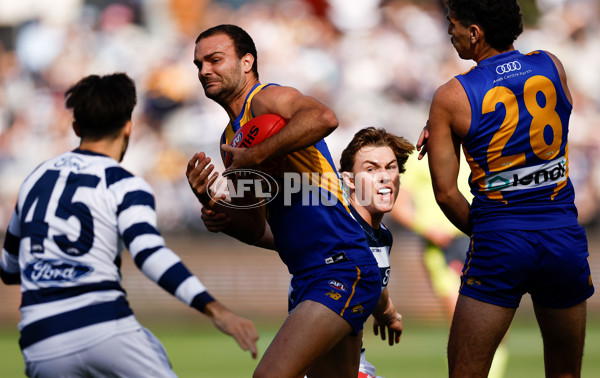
(74, 215)
(371, 165)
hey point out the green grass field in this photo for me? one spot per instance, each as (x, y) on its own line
(201, 351)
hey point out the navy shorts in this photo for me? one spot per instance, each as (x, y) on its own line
(551, 265)
(350, 291)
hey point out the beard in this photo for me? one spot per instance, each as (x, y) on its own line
(228, 86)
(215, 94)
(222, 93)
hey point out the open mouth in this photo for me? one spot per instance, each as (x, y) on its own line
(384, 195)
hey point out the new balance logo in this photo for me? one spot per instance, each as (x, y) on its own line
(333, 295)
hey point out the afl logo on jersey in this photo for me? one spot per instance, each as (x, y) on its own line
(508, 67)
(338, 285)
(55, 271)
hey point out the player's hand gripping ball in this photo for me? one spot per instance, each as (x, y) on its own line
(255, 131)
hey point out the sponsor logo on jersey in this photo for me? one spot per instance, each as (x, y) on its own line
(55, 271)
(382, 256)
(338, 285)
(333, 295)
(338, 257)
(508, 67)
(72, 161)
(546, 174)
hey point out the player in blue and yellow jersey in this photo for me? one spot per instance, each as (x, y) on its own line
(371, 165)
(444, 246)
(511, 114)
(336, 278)
(75, 214)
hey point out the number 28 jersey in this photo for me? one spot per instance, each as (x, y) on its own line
(516, 145)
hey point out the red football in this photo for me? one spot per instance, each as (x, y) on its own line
(255, 131)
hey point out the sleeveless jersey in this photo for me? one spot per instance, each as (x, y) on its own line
(74, 215)
(380, 243)
(516, 145)
(309, 218)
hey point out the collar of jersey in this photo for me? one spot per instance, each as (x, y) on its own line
(88, 152)
(500, 57)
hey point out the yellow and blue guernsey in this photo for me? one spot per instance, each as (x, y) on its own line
(517, 143)
(309, 218)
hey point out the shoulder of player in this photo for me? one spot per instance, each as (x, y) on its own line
(273, 93)
(448, 95)
(450, 108)
(277, 91)
(120, 179)
(556, 61)
(561, 73)
(281, 100)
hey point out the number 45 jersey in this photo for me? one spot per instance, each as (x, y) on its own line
(74, 215)
(517, 143)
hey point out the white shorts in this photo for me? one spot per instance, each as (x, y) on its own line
(366, 369)
(131, 354)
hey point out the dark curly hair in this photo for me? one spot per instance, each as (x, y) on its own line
(370, 136)
(101, 105)
(501, 20)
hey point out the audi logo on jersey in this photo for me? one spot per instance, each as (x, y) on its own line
(508, 67)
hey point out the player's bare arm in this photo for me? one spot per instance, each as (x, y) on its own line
(422, 141)
(241, 329)
(446, 120)
(214, 221)
(246, 225)
(217, 222)
(563, 75)
(386, 320)
(200, 175)
(308, 121)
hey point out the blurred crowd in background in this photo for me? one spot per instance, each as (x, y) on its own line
(375, 62)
